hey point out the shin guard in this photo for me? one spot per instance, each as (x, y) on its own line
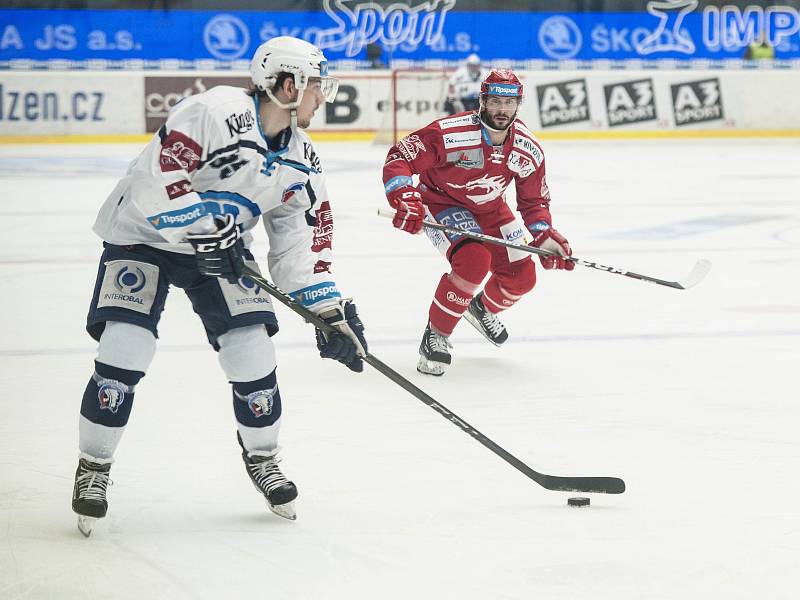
(108, 397)
(257, 406)
(105, 409)
(449, 303)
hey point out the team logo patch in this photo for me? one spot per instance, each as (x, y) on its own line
(128, 284)
(322, 266)
(456, 299)
(130, 280)
(410, 147)
(311, 157)
(458, 218)
(323, 231)
(515, 232)
(312, 294)
(494, 187)
(260, 403)
(240, 123)
(464, 121)
(461, 139)
(393, 157)
(467, 159)
(179, 152)
(527, 145)
(397, 182)
(521, 164)
(180, 217)
(178, 189)
(544, 190)
(290, 191)
(245, 296)
(111, 394)
(248, 286)
(503, 89)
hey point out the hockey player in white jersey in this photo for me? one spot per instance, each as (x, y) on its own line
(182, 217)
(464, 86)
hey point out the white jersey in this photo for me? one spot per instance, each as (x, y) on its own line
(464, 85)
(211, 158)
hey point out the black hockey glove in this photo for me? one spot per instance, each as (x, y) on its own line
(348, 344)
(220, 254)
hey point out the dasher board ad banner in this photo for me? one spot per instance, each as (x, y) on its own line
(52, 103)
(420, 30)
(121, 103)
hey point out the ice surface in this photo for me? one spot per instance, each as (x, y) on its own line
(690, 396)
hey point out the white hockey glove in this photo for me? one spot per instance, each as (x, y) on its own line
(348, 344)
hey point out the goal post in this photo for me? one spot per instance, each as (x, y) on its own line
(416, 97)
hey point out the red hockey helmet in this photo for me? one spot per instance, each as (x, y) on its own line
(502, 82)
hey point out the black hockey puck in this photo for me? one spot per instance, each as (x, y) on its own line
(578, 501)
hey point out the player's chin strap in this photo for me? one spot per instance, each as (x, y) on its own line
(290, 106)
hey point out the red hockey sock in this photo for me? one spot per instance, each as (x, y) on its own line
(449, 303)
(495, 298)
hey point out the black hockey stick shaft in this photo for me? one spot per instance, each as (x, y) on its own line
(604, 485)
(699, 271)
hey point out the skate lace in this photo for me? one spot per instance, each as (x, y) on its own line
(438, 342)
(267, 475)
(92, 485)
(492, 323)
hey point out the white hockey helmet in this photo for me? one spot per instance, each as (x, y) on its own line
(473, 59)
(292, 55)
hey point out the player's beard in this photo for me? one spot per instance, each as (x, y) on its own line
(304, 121)
(493, 124)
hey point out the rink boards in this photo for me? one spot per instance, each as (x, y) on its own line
(116, 106)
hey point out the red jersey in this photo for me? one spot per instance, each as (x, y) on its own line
(457, 165)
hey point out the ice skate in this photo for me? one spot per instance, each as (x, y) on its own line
(434, 354)
(278, 491)
(89, 494)
(486, 322)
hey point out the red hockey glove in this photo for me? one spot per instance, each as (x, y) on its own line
(408, 204)
(549, 239)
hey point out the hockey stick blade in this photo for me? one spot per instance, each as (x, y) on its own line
(698, 273)
(588, 485)
(602, 485)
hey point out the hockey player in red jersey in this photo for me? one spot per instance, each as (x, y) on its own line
(465, 163)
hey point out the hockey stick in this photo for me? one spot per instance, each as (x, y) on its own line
(601, 485)
(695, 276)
